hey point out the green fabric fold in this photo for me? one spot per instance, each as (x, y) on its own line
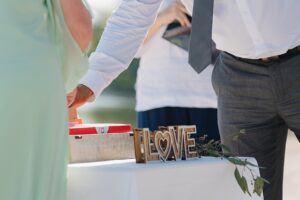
(74, 61)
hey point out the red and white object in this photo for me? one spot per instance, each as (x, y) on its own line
(102, 129)
(99, 142)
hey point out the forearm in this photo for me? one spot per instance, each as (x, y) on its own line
(79, 21)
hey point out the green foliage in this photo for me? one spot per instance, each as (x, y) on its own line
(242, 181)
(258, 185)
(216, 149)
(236, 161)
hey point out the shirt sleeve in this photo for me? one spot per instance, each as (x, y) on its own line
(122, 37)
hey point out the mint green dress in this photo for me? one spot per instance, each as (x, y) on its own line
(38, 57)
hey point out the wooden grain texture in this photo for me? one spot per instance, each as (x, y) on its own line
(167, 143)
(149, 146)
(190, 143)
(139, 153)
(93, 148)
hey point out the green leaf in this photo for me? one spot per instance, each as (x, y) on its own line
(258, 186)
(241, 181)
(236, 161)
(265, 180)
(213, 153)
(210, 142)
(245, 185)
(237, 175)
(251, 164)
(226, 149)
(238, 178)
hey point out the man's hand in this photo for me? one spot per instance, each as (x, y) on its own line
(79, 96)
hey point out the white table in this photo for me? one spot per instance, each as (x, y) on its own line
(201, 179)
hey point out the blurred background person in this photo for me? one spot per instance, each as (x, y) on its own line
(168, 90)
(33, 117)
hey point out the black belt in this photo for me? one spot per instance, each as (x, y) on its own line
(289, 54)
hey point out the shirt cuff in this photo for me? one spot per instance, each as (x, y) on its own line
(94, 81)
(103, 70)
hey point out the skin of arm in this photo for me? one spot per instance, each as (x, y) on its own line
(79, 22)
(175, 12)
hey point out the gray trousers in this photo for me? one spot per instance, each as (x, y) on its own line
(262, 99)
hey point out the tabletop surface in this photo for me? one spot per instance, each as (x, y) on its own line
(130, 163)
(156, 180)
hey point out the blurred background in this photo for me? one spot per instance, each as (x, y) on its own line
(116, 104)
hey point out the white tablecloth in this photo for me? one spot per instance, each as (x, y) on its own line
(202, 179)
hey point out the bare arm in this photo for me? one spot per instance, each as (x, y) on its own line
(175, 12)
(78, 21)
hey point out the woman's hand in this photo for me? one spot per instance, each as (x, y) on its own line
(175, 12)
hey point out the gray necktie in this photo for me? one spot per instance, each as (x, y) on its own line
(200, 51)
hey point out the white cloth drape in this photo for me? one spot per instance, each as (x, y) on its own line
(205, 178)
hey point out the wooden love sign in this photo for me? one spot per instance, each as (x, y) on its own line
(167, 143)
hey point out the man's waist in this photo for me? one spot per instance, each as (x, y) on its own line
(289, 54)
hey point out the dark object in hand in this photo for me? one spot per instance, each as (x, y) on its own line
(178, 35)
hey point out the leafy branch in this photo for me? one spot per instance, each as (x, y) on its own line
(216, 149)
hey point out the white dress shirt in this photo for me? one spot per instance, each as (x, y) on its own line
(165, 79)
(245, 28)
